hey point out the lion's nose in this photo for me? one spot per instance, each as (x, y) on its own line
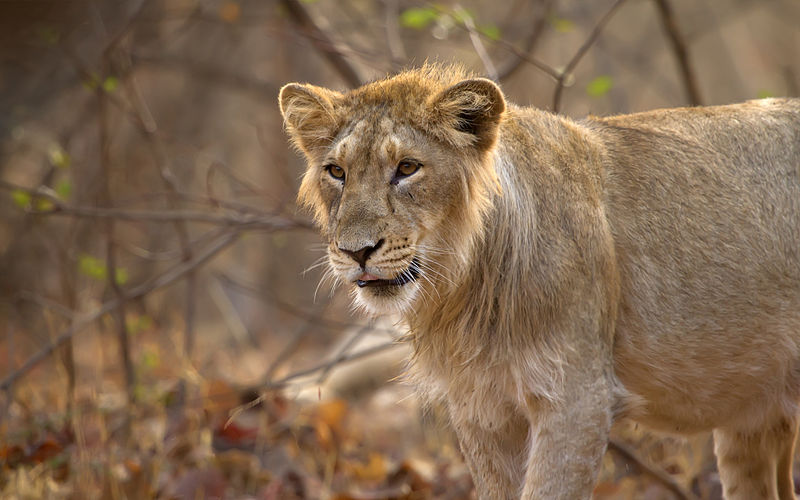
(362, 254)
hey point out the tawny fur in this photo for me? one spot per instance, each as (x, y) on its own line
(572, 272)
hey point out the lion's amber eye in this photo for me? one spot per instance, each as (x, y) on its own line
(336, 171)
(406, 168)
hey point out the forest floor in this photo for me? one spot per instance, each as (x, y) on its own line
(199, 442)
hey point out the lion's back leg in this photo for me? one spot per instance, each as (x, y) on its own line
(757, 464)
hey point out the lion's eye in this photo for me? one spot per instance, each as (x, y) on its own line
(336, 171)
(406, 168)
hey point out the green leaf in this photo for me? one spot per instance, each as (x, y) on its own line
(110, 84)
(490, 30)
(139, 323)
(418, 17)
(92, 267)
(44, 205)
(150, 359)
(49, 35)
(120, 275)
(92, 82)
(460, 15)
(59, 158)
(561, 25)
(764, 94)
(96, 269)
(21, 198)
(64, 189)
(599, 86)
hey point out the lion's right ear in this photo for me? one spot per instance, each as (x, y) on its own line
(308, 112)
(468, 113)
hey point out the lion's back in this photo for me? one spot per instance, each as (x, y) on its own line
(704, 207)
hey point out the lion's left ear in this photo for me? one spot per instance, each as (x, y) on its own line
(468, 113)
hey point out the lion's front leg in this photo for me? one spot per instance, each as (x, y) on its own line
(494, 452)
(567, 443)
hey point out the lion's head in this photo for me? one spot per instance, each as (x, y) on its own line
(399, 175)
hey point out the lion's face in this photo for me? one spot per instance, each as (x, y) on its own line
(386, 192)
(397, 183)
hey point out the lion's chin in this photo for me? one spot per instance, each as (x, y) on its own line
(381, 300)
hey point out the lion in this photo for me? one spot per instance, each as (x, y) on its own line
(557, 275)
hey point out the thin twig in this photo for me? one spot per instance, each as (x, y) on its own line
(626, 452)
(530, 42)
(523, 56)
(392, 29)
(230, 315)
(289, 308)
(322, 42)
(343, 351)
(293, 344)
(344, 358)
(587, 44)
(11, 350)
(45, 303)
(167, 278)
(170, 182)
(111, 267)
(280, 383)
(681, 52)
(205, 71)
(475, 38)
(792, 84)
(240, 221)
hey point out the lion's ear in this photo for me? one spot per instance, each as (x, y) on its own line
(468, 113)
(308, 112)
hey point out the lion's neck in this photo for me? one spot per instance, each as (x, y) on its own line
(510, 278)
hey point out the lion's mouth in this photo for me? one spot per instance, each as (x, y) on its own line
(407, 276)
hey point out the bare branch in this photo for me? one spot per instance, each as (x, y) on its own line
(238, 220)
(524, 56)
(792, 85)
(322, 42)
(681, 53)
(277, 384)
(475, 38)
(167, 278)
(626, 452)
(204, 71)
(169, 180)
(530, 42)
(111, 266)
(587, 44)
(45, 303)
(342, 352)
(287, 307)
(393, 40)
(280, 383)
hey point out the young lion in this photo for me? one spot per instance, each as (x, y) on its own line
(559, 274)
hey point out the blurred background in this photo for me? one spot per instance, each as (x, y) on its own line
(165, 331)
